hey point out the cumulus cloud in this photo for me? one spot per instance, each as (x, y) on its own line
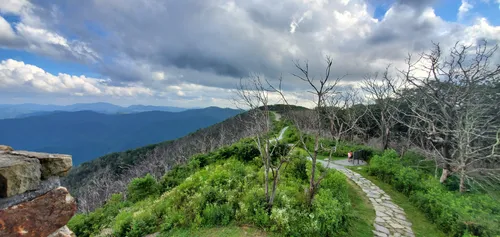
(168, 46)
(13, 6)
(32, 35)
(465, 7)
(7, 34)
(26, 78)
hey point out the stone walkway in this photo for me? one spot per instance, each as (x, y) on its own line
(390, 219)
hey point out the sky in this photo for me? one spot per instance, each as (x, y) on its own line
(192, 53)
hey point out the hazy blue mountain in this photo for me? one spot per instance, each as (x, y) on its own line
(87, 134)
(26, 110)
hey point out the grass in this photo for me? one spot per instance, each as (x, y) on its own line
(421, 226)
(228, 231)
(363, 212)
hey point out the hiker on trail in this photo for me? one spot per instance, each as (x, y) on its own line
(349, 156)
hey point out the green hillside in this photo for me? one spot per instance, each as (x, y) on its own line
(224, 188)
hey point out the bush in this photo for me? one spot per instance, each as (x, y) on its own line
(175, 177)
(406, 180)
(217, 215)
(141, 188)
(454, 213)
(247, 152)
(122, 223)
(385, 166)
(144, 222)
(91, 223)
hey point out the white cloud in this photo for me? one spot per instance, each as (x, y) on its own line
(31, 34)
(25, 78)
(197, 50)
(465, 7)
(13, 6)
(6, 32)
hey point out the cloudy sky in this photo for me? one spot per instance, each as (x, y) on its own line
(192, 53)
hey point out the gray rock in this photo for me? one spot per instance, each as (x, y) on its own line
(5, 148)
(44, 187)
(396, 225)
(52, 164)
(18, 174)
(382, 229)
(379, 234)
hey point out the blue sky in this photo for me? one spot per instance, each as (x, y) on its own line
(192, 53)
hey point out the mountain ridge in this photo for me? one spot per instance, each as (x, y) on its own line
(30, 109)
(89, 134)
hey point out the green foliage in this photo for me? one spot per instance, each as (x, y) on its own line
(215, 214)
(418, 162)
(122, 223)
(385, 166)
(140, 188)
(454, 213)
(222, 188)
(90, 224)
(247, 152)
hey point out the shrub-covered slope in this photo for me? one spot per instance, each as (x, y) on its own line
(222, 188)
(93, 182)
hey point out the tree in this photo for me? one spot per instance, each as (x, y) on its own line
(343, 115)
(379, 90)
(322, 89)
(254, 94)
(454, 98)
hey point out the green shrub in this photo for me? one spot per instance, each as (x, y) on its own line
(418, 161)
(174, 177)
(122, 223)
(144, 222)
(247, 152)
(91, 223)
(406, 180)
(297, 168)
(454, 213)
(328, 213)
(218, 215)
(140, 188)
(253, 208)
(385, 166)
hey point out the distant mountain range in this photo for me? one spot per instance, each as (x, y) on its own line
(26, 110)
(88, 134)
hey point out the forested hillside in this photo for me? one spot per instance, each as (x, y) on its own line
(87, 135)
(94, 181)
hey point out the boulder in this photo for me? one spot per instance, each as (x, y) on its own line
(18, 174)
(44, 187)
(5, 148)
(52, 164)
(42, 216)
(63, 232)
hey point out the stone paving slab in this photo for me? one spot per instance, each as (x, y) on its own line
(390, 219)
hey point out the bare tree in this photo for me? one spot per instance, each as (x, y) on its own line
(322, 89)
(380, 91)
(342, 114)
(454, 97)
(254, 94)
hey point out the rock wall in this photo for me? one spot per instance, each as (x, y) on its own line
(32, 202)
